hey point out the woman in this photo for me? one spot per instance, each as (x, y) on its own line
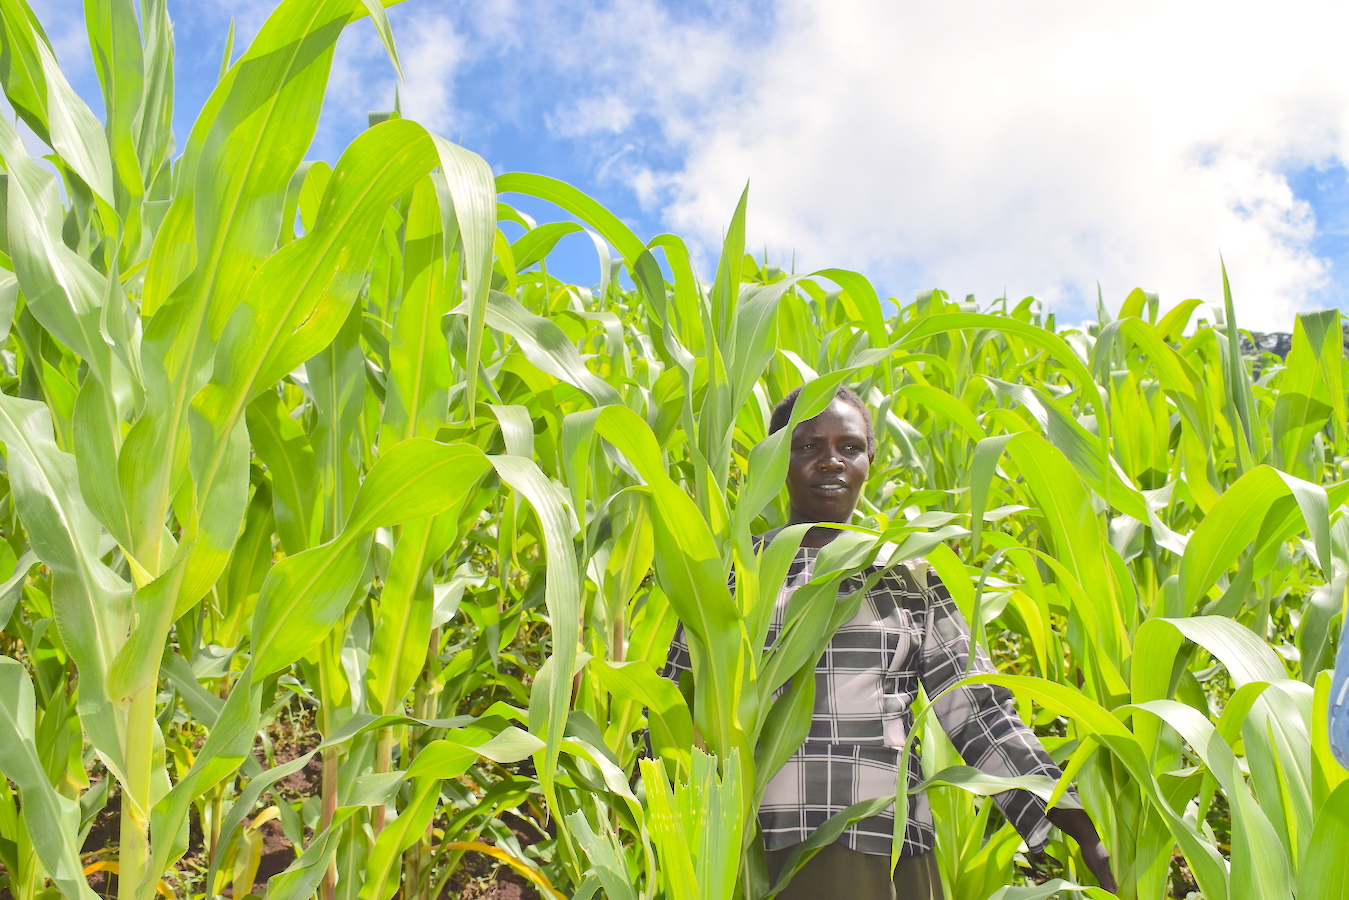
(907, 632)
(1339, 701)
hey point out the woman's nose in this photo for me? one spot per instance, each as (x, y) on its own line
(831, 461)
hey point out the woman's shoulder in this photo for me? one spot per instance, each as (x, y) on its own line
(898, 589)
(761, 540)
(920, 572)
(915, 579)
(916, 570)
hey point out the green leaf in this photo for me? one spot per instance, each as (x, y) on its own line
(21, 66)
(535, 244)
(98, 435)
(562, 597)
(1234, 522)
(689, 565)
(1050, 888)
(671, 726)
(403, 617)
(284, 449)
(63, 291)
(247, 799)
(305, 594)
(860, 299)
(1323, 875)
(578, 204)
(1250, 438)
(303, 293)
(938, 401)
(1259, 866)
(755, 340)
(75, 132)
(785, 728)
(52, 820)
(974, 781)
(379, 875)
(546, 346)
(381, 20)
(418, 380)
(470, 184)
(726, 289)
(1174, 322)
(1047, 340)
(825, 835)
(114, 38)
(1092, 719)
(241, 153)
(1309, 391)
(92, 604)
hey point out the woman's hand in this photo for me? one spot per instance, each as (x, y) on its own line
(1077, 823)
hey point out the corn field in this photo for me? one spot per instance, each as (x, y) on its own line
(314, 470)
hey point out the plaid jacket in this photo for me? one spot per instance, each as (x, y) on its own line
(907, 631)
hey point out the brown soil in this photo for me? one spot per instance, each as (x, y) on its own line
(277, 855)
(301, 784)
(103, 836)
(1182, 879)
(277, 851)
(479, 877)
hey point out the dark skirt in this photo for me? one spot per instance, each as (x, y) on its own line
(839, 872)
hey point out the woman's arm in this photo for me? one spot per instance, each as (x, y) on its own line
(677, 662)
(1077, 823)
(983, 724)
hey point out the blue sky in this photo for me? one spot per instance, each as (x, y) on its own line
(1036, 148)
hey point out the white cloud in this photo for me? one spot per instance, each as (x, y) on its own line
(363, 80)
(248, 16)
(430, 56)
(64, 26)
(1036, 147)
(979, 146)
(591, 114)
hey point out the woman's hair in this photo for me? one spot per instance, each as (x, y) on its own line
(782, 413)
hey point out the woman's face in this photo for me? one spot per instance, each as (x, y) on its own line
(829, 464)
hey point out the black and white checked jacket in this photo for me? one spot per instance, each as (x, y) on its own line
(907, 631)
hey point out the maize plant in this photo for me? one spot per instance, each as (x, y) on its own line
(292, 441)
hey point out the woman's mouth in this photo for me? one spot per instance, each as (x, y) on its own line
(832, 488)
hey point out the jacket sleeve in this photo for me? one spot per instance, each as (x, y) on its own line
(980, 719)
(677, 661)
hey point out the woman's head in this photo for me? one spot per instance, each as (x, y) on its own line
(830, 457)
(782, 413)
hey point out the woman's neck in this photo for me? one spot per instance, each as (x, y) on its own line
(818, 535)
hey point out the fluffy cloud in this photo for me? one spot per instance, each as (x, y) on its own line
(1040, 147)
(1037, 147)
(430, 59)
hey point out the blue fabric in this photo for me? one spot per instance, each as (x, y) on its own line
(1339, 701)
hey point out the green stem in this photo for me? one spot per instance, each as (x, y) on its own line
(383, 763)
(417, 881)
(329, 686)
(217, 812)
(28, 882)
(133, 856)
(618, 649)
(328, 790)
